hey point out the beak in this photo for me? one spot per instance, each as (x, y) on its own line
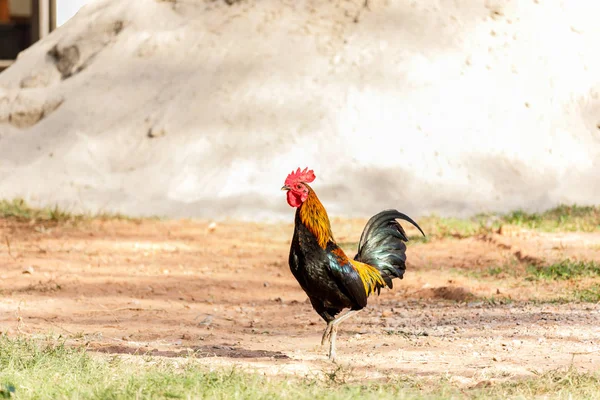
(285, 188)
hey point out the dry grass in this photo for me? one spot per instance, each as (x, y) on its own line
(46, 368)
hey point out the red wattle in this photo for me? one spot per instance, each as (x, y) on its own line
(293, 199)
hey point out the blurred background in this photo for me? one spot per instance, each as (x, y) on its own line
(202, 107)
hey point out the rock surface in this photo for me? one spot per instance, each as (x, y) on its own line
(201, 108)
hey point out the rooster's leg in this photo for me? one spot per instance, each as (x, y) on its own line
(332, 343)
(332, 323)
(333, 331)
(327, 333)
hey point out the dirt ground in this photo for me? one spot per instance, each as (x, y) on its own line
(225, 292)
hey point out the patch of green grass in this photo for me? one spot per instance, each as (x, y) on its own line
(581, 294)
(496, 271)
(562, 218)
(496, 300)
(20, 210)
(557, 384)
(564, 270)
(550, 300)
(590, 294)
(49, 369)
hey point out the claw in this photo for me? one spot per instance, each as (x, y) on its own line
(332, 357)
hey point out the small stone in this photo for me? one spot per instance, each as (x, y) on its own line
(29, 270)
(155, 132)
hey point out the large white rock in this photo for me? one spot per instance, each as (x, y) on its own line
(200, 108)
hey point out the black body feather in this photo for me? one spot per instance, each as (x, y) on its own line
(331, 282)
(312, 267)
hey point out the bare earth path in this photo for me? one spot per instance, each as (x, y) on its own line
(173, 287)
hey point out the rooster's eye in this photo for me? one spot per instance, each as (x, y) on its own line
(298, 186)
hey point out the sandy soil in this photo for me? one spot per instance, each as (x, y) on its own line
(174, 287)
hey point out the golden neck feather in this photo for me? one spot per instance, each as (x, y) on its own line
(314, 217)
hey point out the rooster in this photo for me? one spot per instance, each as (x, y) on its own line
(332, 281)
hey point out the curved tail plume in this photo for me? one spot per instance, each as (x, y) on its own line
(382, 244)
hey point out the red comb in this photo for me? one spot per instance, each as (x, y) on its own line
(300, 176)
